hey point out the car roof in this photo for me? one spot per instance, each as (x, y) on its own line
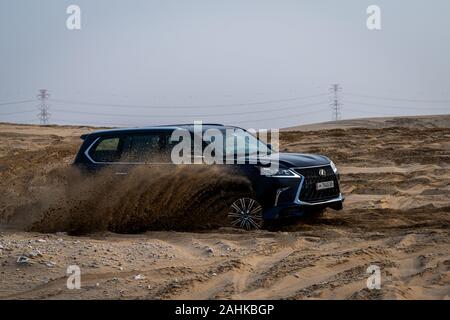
(190, 127)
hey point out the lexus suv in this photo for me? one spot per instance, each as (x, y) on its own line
(303, 184)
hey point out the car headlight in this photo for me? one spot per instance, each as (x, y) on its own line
(333, 166)
(280, 173)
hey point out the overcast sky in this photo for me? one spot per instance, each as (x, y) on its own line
(253, 62)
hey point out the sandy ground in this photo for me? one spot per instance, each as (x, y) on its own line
(396, 177)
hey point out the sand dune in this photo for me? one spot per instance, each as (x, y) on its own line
(395, 174)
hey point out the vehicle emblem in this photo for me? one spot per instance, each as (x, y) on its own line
(322, 173)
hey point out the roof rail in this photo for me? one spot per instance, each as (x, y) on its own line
(189, 124)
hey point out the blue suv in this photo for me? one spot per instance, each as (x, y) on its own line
(304, 184)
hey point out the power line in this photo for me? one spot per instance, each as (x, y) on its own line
(44, 114)
(189, 96)
(285, 117)
(74, 123)
(17, 112)
(395, 99)
(26, 121)
(335, 93)
(114, 105)
(368, 112)
(191, 115)
(246, 121)
(377, 113)
(15, 102)
(397, 107)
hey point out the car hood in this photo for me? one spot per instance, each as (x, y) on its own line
(294, 160)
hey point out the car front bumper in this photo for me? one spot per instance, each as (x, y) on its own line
(288, 200)
(300, 208)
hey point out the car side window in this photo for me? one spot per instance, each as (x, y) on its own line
(107, 150)
(148, 148)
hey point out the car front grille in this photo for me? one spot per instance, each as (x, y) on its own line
(309, 192)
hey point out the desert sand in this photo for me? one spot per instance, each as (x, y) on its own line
(396, 178)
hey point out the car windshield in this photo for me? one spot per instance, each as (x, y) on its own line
(241, 143)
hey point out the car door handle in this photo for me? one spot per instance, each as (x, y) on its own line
(121, 173)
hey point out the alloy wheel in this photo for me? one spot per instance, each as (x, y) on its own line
(246, 213)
